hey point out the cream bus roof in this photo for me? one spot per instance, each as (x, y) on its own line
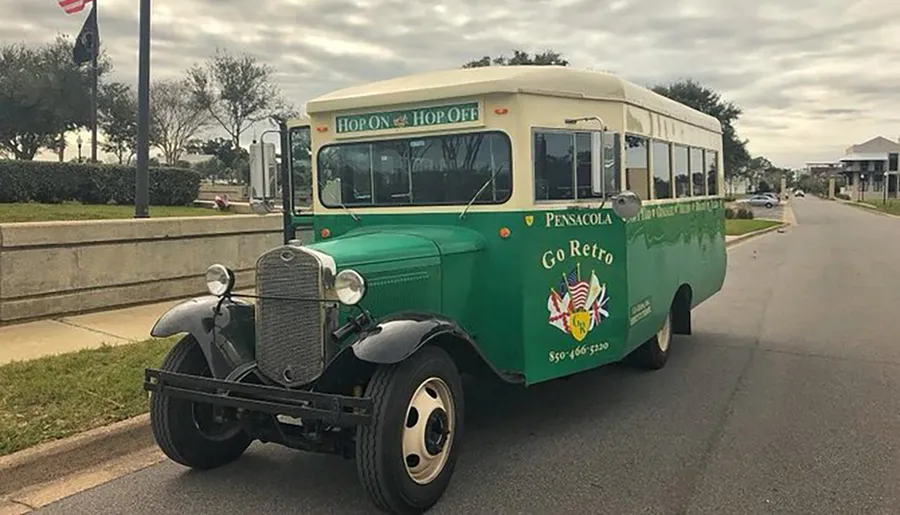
(541, 80)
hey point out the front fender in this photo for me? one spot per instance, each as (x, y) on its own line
(399, 336)
(226, 336)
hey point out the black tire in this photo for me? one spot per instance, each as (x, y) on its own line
(654, 353)
(175, 426)
(381, 465)
(769, 205)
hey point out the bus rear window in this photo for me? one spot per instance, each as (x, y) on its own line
(433, 170)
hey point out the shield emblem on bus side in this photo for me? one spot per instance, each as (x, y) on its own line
(581, 324)
(529, 219)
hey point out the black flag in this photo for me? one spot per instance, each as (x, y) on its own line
(88, 39)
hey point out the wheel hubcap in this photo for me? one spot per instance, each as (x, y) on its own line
(665, 334)
(428, 431)
(209, 426)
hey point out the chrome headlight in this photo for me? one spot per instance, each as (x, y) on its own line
(350, 287)
(219, 280)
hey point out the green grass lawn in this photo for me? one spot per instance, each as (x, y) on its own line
(892, 205)
(33, 212)
(735, 227)
(58, 396)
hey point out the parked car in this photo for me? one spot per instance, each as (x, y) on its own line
(763, 200)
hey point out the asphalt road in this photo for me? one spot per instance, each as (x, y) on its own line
(785, 400)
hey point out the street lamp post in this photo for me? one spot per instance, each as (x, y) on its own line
(79, 142)
(862, 182)
(884, 186)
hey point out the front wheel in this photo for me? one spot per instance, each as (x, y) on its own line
(406, 455)
(186, 431)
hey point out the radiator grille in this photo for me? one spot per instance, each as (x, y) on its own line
(289, 333)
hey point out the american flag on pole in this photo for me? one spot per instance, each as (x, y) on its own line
(73, 6)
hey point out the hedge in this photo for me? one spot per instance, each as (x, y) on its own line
(54, 182)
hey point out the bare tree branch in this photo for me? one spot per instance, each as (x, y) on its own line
(237, 91)
(175, 117)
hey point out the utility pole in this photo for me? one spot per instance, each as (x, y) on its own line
(95, 52)
(141, 176)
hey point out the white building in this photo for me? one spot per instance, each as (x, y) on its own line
(870, 169)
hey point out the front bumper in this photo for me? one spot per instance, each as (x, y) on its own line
(333, 409)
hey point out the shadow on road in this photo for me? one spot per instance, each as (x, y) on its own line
(504, 425)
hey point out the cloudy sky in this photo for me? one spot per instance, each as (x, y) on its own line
(812, 76)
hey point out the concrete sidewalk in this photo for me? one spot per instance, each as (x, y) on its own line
(31, 340)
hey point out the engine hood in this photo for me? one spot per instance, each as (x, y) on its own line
(371, 245)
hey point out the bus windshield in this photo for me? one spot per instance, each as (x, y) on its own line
(429, 170)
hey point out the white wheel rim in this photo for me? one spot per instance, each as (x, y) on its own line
(664, 336)
(428, 430)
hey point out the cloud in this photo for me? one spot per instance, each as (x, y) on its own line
(811, 78)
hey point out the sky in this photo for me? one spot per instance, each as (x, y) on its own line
(811, 76)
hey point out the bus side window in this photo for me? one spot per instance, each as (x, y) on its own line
(712, 172)
(682, 179)
(697, 173)
(637, 172)
(554, 177)
(662, 170)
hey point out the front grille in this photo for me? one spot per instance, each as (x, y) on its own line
(289, 333)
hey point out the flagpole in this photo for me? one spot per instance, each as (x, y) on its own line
(94, 53)
(142, 181)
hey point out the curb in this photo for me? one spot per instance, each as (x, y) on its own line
(57, 459)
(753, 234)
(866, 207)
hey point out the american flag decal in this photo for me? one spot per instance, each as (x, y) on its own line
(574, 296)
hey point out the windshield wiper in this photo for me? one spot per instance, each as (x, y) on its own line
(341, 204)
(490, 180)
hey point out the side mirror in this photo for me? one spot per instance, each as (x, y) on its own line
(627, 204)
(263, 178)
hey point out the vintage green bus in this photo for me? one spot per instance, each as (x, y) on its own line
(522, 222)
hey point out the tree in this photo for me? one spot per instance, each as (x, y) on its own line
(520, 57)
(117, 118)
(43, 94)
(757, 170)
(705, 100)
(175, 117)
(237, 91)
(229, 162)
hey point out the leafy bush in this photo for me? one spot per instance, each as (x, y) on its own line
(843, 196)
(744, 214)
(729, 213)
(53, 182)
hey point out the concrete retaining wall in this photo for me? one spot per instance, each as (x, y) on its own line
(208, 191)
(56, 268)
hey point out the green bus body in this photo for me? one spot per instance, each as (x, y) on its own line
(501, 289)
(498, 289)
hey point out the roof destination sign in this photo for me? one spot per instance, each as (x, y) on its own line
(406, 118)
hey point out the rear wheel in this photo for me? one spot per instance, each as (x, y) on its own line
(186, 431)
(406, 456)
(654, 353)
